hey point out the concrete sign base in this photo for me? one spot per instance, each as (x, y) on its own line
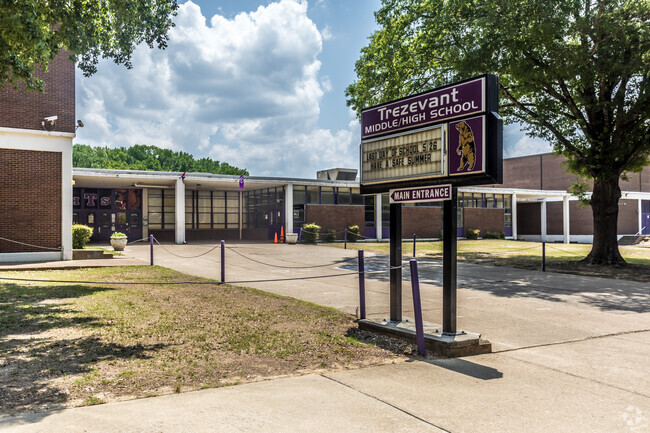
(436, 343)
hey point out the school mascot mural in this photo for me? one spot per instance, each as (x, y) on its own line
(466, 147)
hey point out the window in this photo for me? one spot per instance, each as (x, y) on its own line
(155, 209)
(357, 198)
(370, 210)
(327, 195)
(313, 196)
(344, 196)
(232, 210)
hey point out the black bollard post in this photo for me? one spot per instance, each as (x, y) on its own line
(413, 245)
(362, 286)
(345, 245)
(544, 256)
(417, 307)
(151, 248)
(223, 261)
(300, 235)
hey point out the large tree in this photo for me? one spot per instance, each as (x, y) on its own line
(33, 32)
(573, 72)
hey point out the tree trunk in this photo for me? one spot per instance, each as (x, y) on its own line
(604, 205)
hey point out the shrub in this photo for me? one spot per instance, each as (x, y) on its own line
(491, 235)
(472, 233)
(353, 233)
(118, 235)
(310, 233)
(330, 236)
(80, 235)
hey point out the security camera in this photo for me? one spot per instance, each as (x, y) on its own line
(52, 118)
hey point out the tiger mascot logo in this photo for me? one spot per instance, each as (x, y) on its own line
(466, 146)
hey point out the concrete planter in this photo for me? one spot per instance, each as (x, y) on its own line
(292, 238)
(118, 244)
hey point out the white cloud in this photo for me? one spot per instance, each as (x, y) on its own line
(244, 90)
(517, 143)
(326, 33)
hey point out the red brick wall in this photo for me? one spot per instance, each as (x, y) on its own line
(528, 219)
(628, 217)
(491, 220)
(26, 109)
(30, 199)
(335, 217)
(423, 221)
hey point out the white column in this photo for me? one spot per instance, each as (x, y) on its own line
(565, 219)
(378, 222)
(66, 201)
(543, 214)
(514, 216)
(640, 211)
(288, 208)
(180, 211)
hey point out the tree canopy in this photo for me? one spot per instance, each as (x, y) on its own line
(573, 72)
(33, 32)
(151, 158)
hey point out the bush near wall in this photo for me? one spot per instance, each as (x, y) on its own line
(494, 235)
(330, 236)
(310, 233)
(80, 235)
(353, 233)
(472, 233)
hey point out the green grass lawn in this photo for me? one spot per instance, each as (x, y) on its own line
(528, 255)
(68, 344)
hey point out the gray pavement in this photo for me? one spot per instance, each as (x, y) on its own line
(572, 354)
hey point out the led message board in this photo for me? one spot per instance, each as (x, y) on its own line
(452, 134)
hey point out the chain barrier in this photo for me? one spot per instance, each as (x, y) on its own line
(136, 241)
(169, 283)
(31, 245)
(564, 251)
(285, 267)
(185, 257)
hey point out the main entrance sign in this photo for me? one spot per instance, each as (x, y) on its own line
(448, 135)
(420, 195)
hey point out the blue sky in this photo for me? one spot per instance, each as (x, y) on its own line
(257, 84)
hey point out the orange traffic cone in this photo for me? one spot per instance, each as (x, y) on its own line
(282, 234)
(275, 241)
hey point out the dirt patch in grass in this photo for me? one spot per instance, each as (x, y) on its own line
(64, 345)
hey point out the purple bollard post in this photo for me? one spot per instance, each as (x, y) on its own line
(151, 248)
(345, 246)
(223, 261)
(413, 245)
(300, 235)
(362, 286)
(543, 256)
(417, 307)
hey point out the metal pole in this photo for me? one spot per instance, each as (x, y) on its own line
(417, 307)
(362, 286)
(345, 245)
(223, 261)
(543, 256)
(300, 235)
(413, 245)
(449, 247)
(396, 262)
(151, 248)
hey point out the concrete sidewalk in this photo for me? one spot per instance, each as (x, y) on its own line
(572, 355)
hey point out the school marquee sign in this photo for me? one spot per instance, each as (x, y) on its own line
(452, 134)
